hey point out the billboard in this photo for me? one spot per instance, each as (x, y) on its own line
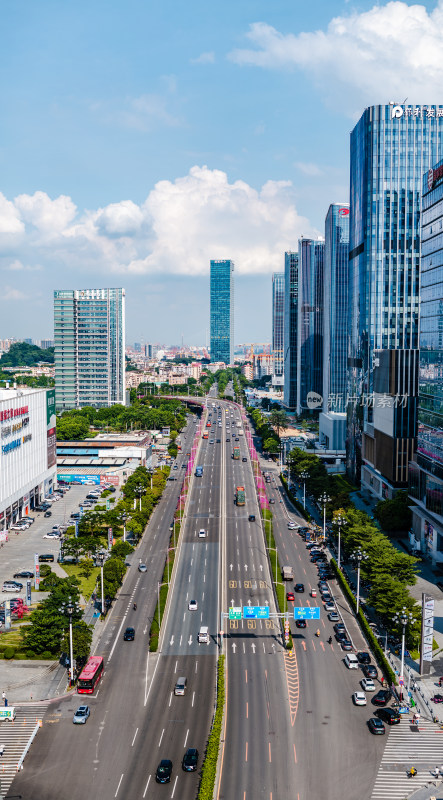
(70, 477)
(51, 434)
(427, 633)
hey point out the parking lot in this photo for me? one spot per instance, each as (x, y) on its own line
(18, 553)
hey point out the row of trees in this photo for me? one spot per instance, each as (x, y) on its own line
(146, 413)
(269, 428)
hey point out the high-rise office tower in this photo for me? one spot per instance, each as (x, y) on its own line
(310, 324)
(391, 147)
(426, 471)
(278, 318)
(222, 311)
(332, 427)
(290, 330)
(89, 333)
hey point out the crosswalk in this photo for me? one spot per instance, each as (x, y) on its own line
(15, 736)
(405, 748)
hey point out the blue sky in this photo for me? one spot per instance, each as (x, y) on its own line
(141, 139)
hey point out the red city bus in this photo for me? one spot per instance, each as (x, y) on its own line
(90, 675)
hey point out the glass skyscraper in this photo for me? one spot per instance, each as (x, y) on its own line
(426, 471)
(290, 330)
(391, 147)
(332, 431)
(89, 334)
(278, 318)
(310, 324)
(222, 311)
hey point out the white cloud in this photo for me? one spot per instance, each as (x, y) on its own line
(10, 222)
(177, 230)
(17, 266)
(390, 52)
(9, 293)
(204, 58)
(312, 170)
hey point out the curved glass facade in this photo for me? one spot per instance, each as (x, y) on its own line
(335, 336)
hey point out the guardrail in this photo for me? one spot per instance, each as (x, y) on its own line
(30, 740)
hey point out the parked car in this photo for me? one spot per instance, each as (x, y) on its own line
(48, 514)
(359, 698)
(12, 586)
(376, 726)
(382, 697)
(24, 574)
(388, 715)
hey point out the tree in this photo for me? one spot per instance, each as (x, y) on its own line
(279, 420)
(271, 446)
(22, 354)
(81, 640)
(87, 566)
(395, 514)
(45, 631)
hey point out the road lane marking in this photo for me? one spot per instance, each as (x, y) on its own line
(193, 698)
(146, 787)
(246, 755)
(118, 787)
(175, 784)
(161, 737)
(246, 675)
(186, 739)
(170, 700)
(270, 754)
(135, 734)
(295, 755)
(313, 644)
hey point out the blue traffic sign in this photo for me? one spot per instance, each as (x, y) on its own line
(307, 612)
(255, 612)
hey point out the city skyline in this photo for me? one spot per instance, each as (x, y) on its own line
(81, 192)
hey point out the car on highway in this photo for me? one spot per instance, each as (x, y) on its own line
(244, 460)
(202, 533)
(313, 592)
(290, 596)
(218, 441)
(81, 715)
(300, 623)
(363, 657)
(237, 439)
(376, 726)
(382, 697)
(369, 671)
(333, 616)
(175, 466)
(388, 715)
(330, 606)
(171, 478)
(368, 684)
(24, 574)
(192, 605)
(359, 698)
(12, 586)
(340, 627)
(211, 441)
(228, 439)
(272, 500)
(164, 771)
(292, 526)
(299, 587)
(251, 518)
(129, 635)
(51, 535)
(190, 760)
(142, 567)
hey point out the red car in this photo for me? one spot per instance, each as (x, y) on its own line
(290, 596)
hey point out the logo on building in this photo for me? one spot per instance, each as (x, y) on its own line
(314, 400)
(430, 178)
(396, 112)
(343, 212)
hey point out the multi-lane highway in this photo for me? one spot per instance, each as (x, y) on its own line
(290, 729)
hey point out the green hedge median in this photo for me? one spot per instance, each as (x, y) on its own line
(209, 767)
(280, 588)
(364, 625)
(294, 501)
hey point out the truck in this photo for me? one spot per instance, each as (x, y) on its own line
(198, 472)
(287, 573)
(236, 453)
(240, 432)
(205, 435)
(240, 497)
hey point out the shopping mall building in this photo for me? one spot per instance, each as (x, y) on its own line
(28, 451)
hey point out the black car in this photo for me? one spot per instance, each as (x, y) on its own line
(300, 623)
(244, 459)
(218, 441)
(47, 514)
(190, 759)
(370, 671)
(251, 518)
(299, 587)
(339, 627)
(364, 658)
(129, 635)
(389, 715)
(228, 439)
(382, 697)
(376, 726)
(164, 771)
(24, 574)
(272, 500)
(341, 636)
(346, 644)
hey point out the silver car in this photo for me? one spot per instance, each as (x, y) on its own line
(81, 715)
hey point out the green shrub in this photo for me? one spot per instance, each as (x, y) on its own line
(209, 767)
(294, 501)
(20, 656)
(30, 654)
(46, 656)
(9, 652)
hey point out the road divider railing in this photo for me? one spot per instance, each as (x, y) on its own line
(163, 587)
(210, 760)
(275, 567)
(295, 502)
(364, 625)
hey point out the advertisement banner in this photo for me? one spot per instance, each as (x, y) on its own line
(109, 538)
(36, 572)
(51, 436)
(427, 633)
(7, 614)
(114, 479)
(28, 593)
(70, 477)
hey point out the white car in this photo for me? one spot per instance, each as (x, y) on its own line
(368, 684)
(51, 535)
(202, 533)
(359, 698)
(20, 526)
(192, 605)
(330, 607)
(292, 526)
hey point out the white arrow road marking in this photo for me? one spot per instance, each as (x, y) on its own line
(261, 567)
(190, 639)
(171, 642)
(253, 647)
(246, 567)
(230, 566)
(234, 646)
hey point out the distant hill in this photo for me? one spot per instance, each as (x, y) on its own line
(26, 355)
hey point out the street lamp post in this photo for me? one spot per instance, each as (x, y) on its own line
(139, 489)
(70, 608)
(359, 555)
(304, 476)
(340, 522)
(324, 500)
(100, 558)
(123, 518)
(402, 618)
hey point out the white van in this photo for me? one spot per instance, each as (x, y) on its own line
(351, 661)
(203, 635)
(181, 686)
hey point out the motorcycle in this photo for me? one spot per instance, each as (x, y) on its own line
(135, 606)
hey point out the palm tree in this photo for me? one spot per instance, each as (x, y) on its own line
(279, 420)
